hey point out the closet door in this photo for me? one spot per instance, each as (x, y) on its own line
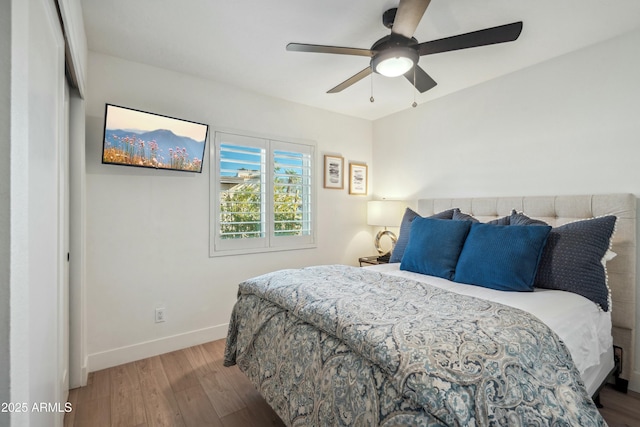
(47, 217)
(64, 207)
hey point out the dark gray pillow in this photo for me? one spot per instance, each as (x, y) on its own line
(405, 230)
(500, 221)
(572, 259)
(460, 216)
(521, 219)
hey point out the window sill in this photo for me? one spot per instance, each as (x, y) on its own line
(236, 252)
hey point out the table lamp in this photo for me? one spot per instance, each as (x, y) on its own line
(385, 213)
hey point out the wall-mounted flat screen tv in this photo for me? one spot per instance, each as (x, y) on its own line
(148, 140)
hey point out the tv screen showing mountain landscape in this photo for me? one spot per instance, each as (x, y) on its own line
(137, 138)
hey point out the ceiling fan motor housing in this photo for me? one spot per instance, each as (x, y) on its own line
(388, 17)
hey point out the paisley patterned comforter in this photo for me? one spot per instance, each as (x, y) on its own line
(338, 345)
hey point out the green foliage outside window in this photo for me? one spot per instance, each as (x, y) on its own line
(240, 212)
(241, 206)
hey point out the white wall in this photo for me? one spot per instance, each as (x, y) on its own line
(566, 126)
(147, 230)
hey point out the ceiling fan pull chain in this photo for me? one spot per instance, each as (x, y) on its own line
(415, 104)
(371, 99)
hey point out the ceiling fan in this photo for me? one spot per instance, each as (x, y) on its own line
(398, 53)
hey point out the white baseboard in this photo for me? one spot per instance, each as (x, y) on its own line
(84, 372)
(634, 382)
(119, 356)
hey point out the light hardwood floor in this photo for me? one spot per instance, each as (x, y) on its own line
(190, 387)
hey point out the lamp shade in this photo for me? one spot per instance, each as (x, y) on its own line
(385, 213)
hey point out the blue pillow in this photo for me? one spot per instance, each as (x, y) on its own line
(434, 246)
(405, 230)
(502, 257)
(572, 259)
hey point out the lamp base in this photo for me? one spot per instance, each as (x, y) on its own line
(379, 236)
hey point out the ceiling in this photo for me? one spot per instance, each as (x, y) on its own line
(242, 42)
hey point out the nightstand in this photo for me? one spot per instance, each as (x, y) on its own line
(372, 260)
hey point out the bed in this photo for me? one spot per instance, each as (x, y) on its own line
(340, 345)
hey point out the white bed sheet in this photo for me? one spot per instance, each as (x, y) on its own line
(581, 324)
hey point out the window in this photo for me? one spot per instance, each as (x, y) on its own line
(262, 196)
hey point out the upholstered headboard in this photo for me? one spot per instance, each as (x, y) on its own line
(559, 210)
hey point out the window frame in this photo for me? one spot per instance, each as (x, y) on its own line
(270, 242)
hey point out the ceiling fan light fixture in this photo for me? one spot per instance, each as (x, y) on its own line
(394, 62)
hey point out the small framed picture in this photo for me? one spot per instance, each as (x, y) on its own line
(333, 172)
(357, 178)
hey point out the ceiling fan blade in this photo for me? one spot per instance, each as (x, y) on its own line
(488, 36)
(300, 47)
(421, 80)
(351, 80)
(408, 17)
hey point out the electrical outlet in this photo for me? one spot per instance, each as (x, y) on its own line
(160, 316)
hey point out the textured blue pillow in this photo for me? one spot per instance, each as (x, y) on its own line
(405, 230)
(572, 259)
(434, 246)
(502, 257)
